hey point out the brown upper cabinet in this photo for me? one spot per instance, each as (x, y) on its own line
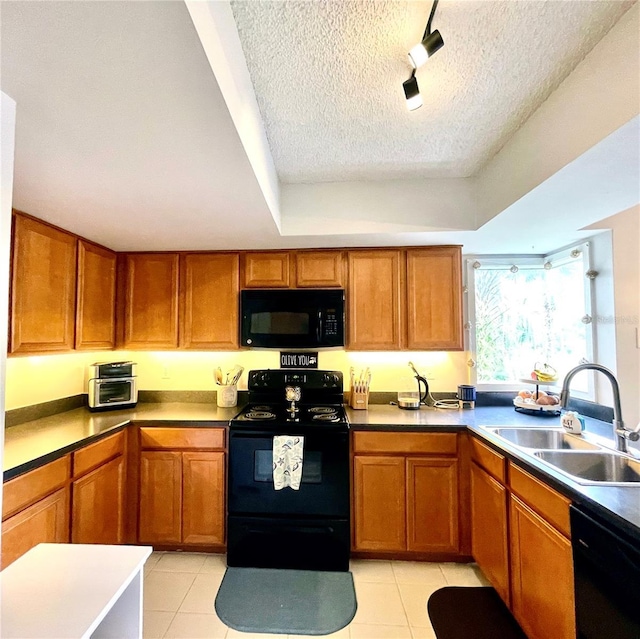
(209, 284)
(268, 269)
(151, 300)
(374, 300)
(320, 269)
(43, 288)
(434, 298)
(96, 297)
(422, 285)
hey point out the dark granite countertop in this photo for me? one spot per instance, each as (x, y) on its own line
(39, 441)
(34, 443)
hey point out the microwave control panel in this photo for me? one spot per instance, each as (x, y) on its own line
(331, 322)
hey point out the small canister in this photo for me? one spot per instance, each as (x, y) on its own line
(466, 395)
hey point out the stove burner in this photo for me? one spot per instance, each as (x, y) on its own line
(318, 410)
(262, 407)
(259, 414)
(329, 417)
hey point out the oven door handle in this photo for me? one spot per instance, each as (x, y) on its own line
(296, 529)
(319, 327)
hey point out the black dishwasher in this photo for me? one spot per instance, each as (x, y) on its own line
(606, 564)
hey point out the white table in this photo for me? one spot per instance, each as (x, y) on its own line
(73, 590)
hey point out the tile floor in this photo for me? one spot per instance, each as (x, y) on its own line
(180, 588)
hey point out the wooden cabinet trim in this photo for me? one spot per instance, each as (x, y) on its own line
(34, 485)
(492, 461)
(407, 443)
(182, 438)
(543, 499)
(93, 455)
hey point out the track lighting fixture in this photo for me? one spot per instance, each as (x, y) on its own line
(412, 93)
(431, 42)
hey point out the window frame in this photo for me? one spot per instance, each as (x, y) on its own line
(505, 262)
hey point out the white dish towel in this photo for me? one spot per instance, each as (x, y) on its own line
(287, 461)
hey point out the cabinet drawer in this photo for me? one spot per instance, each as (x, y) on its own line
(95, 454)
(377, 442)
(553, 506)
(34, 485)
(494, 463)
(182, 438)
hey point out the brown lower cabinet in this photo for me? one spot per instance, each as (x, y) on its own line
(182, 486)
(521, 540)
(406, 502)
(35, 509)
(541, 575)
(489, 532)
(97, 515)
(46, 521)
(181, 497)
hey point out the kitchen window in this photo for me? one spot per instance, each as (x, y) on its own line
(526, 311)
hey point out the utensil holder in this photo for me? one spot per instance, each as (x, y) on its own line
(359, 401)
(227, 396)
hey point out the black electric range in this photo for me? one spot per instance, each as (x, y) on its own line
(302, 529)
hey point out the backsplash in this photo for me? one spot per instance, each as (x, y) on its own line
(37, 379)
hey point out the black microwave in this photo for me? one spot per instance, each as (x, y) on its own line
(292, 318)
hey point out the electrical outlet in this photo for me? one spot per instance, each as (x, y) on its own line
(165, 372)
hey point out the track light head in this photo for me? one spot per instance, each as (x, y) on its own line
(422, 52)
(412, 93)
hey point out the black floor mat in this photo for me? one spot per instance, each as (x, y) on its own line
(465, 613)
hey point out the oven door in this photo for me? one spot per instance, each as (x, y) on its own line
(324, 489)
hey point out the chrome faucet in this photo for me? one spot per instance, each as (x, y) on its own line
(620, 432)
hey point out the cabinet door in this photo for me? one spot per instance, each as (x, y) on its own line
(542, 593)
(203, 498)
(319, 269)
(489, 541)
(96, 302)
(266, 270)
(379, 503)
(432, 505)
(151, 301)
(209, 300)
(160, 497)
(43, 288)
(373, 300)
(46, 521)
(434, 299)
(97, 515)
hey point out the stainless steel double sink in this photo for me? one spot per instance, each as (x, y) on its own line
(582, 461)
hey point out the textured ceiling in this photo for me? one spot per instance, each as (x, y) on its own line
(328, 79)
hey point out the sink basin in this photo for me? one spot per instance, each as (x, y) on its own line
(543, 439)
(587, 467)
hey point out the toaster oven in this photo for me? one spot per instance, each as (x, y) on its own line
(112, 385)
